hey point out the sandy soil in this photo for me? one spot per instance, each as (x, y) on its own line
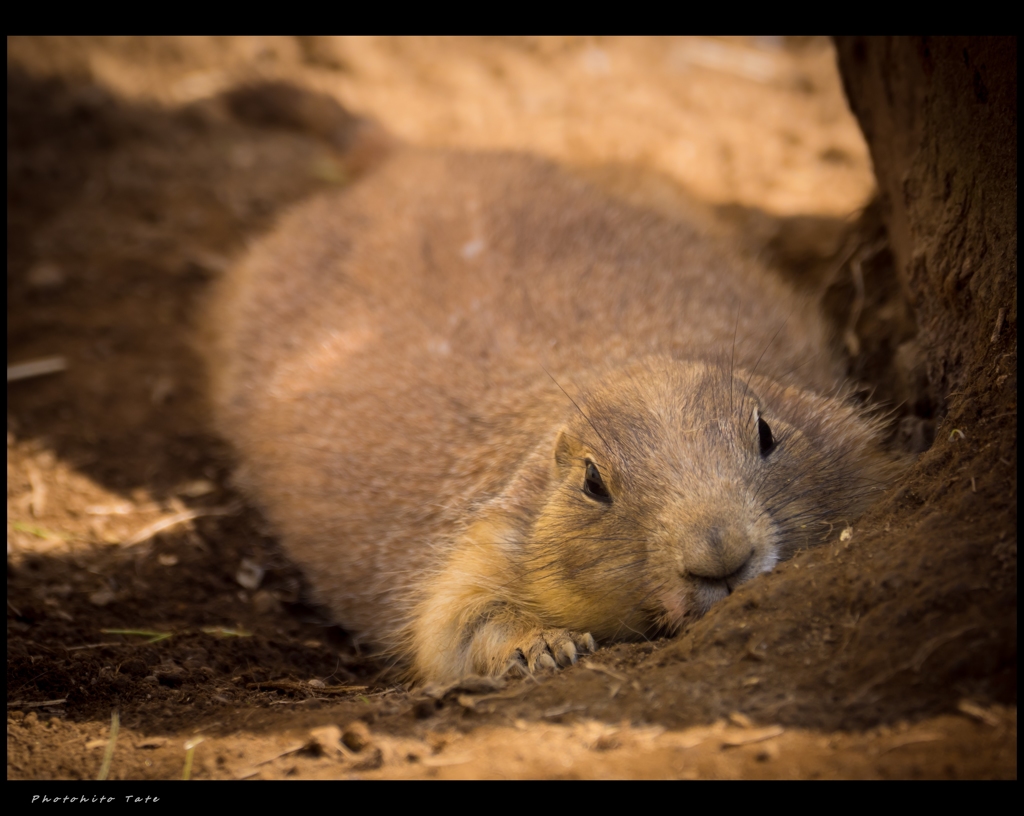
(143, 591)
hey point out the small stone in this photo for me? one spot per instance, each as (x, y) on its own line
(101, 597)
(356, 736)
(196, 488)
(46, 275)
(249, 574)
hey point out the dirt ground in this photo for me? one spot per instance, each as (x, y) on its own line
(154, 629)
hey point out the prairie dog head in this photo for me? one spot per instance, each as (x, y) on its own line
(673, 482)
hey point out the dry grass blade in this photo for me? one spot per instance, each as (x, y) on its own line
(108, 754)
(35, 368)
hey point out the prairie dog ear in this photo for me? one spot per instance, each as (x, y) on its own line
(568, 452)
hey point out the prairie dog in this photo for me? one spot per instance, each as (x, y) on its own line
(498, 417)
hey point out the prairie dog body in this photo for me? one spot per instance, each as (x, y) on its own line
(495, 415)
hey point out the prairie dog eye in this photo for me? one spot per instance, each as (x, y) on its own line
(593, 484)
(765, 440)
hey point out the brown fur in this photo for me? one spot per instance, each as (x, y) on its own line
(417, 371)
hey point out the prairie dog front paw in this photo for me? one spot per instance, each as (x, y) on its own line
(546, 649)
(505, 643)
(500, 639)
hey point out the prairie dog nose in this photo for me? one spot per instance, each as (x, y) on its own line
(718, 552)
